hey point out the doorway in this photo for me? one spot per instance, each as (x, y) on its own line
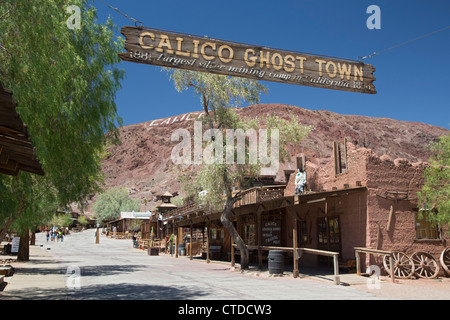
(329, 238)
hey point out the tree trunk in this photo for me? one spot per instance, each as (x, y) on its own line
(24, 246)
(33, 239)
(5, 228)
(225, 219)
(11, 219)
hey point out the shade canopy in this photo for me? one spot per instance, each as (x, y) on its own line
(16, 149)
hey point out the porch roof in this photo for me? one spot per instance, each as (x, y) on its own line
(197, 214)
(16, 149)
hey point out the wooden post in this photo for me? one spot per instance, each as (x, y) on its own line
(232, 252)
(208, 234)
(97, 238)
(190, 245)
(336, 269)
(391, 212)
(391, 262)
(294, 247)
(258, 230)
(176, 243)
(358, 263)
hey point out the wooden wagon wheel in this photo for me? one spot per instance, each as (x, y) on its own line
(403, 265)
(425, 265)
(445, 260)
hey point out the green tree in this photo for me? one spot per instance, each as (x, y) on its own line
(219, 94)
(113, 201)
(61, 220)
(64, 82)
(83, 221)
(434, 198)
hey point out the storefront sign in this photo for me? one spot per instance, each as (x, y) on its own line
(175, 50)
(271, 233)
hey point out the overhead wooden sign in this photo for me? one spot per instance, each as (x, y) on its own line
(175, 50)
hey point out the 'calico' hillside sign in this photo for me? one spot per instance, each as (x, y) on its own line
(175, 50)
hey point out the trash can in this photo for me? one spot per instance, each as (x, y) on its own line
(276, 261)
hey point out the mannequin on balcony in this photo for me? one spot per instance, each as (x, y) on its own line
(300, 181)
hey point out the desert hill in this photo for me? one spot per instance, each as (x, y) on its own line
(142, 162)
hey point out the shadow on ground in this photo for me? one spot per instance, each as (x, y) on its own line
(120, 291)
(92, 271)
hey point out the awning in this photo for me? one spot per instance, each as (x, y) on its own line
(16, 150)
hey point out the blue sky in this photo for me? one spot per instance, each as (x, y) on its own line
(413, 80)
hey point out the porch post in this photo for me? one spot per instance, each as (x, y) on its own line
(207, 241)
(294, 246)
(190, 246)
(175, 228)
(258, 230)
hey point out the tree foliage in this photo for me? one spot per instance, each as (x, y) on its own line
(218, 95)
(113, 201)
(64, 82)
(434, 198)
(60, 220)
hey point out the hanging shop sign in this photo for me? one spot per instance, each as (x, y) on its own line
(175, 50)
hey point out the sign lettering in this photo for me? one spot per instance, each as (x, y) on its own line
(271, 233)
(167, 49)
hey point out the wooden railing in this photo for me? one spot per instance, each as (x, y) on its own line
(297, 253)
(188, 208)
(249, 196)
(120, 235)
(260, 194)
(390, 254)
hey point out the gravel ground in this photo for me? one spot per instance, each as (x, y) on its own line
(411, 289)
(114, 265)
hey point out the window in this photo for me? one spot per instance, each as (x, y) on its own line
(424, 228)
(302, 234)
(215, 234)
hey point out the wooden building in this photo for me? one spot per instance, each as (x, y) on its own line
(357, 200)
(124, 222)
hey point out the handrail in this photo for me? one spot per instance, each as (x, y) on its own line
(333, 254)
(359, 250)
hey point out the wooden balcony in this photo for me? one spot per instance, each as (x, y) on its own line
(247, 197)
(260, 194)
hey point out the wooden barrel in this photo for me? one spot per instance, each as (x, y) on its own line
(276, 261)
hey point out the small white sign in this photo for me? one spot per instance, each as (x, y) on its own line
(15, 245)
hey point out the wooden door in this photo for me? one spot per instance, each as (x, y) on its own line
(329, 238)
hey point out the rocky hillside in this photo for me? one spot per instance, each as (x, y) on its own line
(142, 162)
